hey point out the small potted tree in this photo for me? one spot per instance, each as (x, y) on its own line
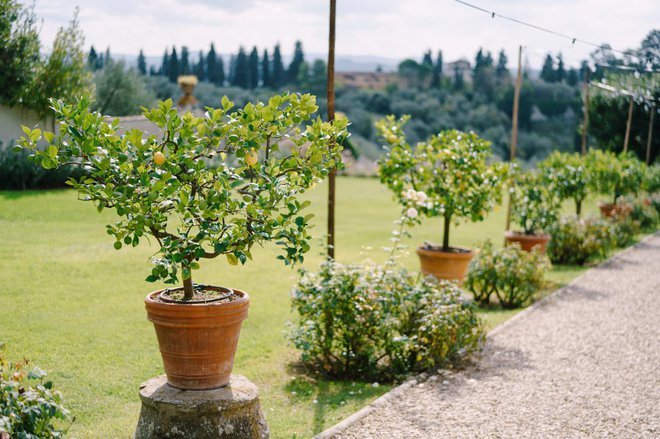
(616, 176)
(207, 187)
(446, 176)
(566, 175)
(534, 208)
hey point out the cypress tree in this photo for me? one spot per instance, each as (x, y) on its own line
(548, 71)
(296, 62)
(572, 77)
(173, 66)
(436, 79)
(265, 70)
(253, 68)
(241, 70)
(212, 66)
(427, 60)
(92, 59)
(278, 68)
(165, 66)
(142, 63)
(184, 63)
(220, 71)
(560, 73)
(200, 69)
(501, 70)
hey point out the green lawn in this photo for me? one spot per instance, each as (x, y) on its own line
(73, 305)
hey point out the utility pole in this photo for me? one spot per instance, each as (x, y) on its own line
(585, 122)
(514, 127)
(649, 139)
(628, 123)
(331, 118)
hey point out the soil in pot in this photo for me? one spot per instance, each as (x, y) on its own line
(198, 338)
(448, 265)
(528, 242)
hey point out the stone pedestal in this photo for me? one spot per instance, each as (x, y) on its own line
(231, 412)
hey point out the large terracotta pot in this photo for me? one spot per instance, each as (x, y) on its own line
(445, 265)
(198, 341)
(608, 210)
(528, 242)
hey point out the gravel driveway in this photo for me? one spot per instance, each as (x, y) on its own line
(585, 362)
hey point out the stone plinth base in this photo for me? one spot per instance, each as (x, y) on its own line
(231, 412)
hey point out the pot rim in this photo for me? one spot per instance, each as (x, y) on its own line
(522, 235)
(244, 298)
(446, 255)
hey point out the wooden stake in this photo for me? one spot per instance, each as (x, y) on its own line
(514, 129)
(649, 139)
(331, 117)
(628, 123)
(585, 122)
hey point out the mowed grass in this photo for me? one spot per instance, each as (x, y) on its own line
(74, 305)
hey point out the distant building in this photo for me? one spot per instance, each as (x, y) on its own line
(367, 80)
(462, 65)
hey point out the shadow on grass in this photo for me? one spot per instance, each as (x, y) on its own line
(327, 395)
(19, 194)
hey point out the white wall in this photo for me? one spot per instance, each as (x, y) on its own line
(12, 118)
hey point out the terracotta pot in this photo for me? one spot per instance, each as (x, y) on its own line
(528, 242)
(608, 210)
(198, 341)
(445, 265)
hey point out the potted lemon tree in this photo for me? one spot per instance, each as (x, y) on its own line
(535, 207)
(566, 174)
(616, 176)
(445, 176)
(206, 187)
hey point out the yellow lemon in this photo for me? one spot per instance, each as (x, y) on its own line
(233, 260)
(159, 158)
(251, 158)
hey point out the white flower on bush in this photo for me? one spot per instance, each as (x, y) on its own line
(417, 197)
(412, 213)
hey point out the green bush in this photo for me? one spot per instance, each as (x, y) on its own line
(566, 175)
(17, 173)
(535, 205)
(652, 183)
(645, 213)
(510, 273)
(615, 175)
(28, 403)
(578, 241)
(623, 228)
(380, 322)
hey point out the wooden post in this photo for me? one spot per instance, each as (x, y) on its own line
(649, 139)
(331, 117)
(514, 128)
(585, 122)
(628, 123)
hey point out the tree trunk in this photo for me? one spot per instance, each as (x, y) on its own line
(188, 289)
(578, 207)
(445, 236)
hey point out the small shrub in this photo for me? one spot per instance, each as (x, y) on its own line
(535, 206)
(623, 228)
(510, 273)
(379, 322)
(645, 214)
(578, 241)
(652, 182)
(28, 403)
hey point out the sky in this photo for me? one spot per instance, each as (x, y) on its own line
(388, 28)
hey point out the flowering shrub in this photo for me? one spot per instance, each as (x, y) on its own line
(652, 183)
(566, 175)
(450, 169)
(615, 175)
(578, 241)
(28, 403)
(207, 186)
(535, 206)
(644, 212)
(623, 228)
(379, 322)
(510, 273)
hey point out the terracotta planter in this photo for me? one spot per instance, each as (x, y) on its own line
(198, 341)
(528, 242)
(445, 265)
(608, 210)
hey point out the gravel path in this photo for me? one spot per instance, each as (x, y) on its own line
(585, 362)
